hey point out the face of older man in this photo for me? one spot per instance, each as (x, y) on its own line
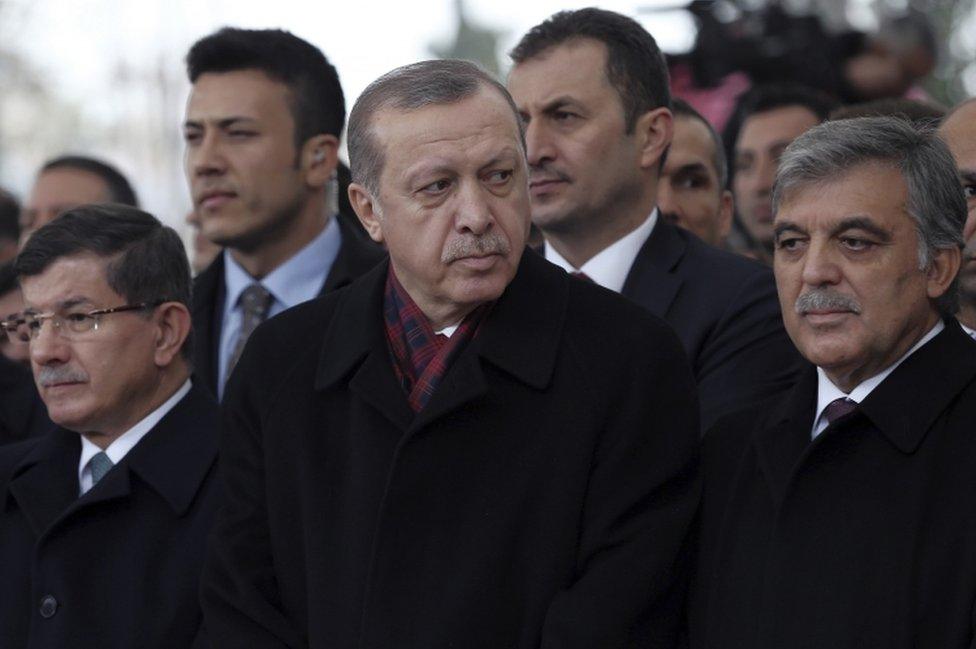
(853, 296)
(453, 205)
(99, 382)
(959, 132)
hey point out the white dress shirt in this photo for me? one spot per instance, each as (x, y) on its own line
(970, 332)
(828, 392)
(126, 441)
(610, 266)
(297, 280)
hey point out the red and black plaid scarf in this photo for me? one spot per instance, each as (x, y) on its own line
(421, 357)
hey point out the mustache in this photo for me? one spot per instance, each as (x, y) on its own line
(544, 171)
(49, 375)
(471, 246)
(824, 300)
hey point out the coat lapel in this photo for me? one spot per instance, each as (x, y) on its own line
(651, 281)
(45, 482)
(356, 257)
(208, 293)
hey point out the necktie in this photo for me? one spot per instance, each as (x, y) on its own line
(255, 304)
(583, 276)
(99, 465)
(838, 408)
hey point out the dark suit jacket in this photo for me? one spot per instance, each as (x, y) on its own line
(541, 497)
(22, 413)
(356, 256)
(864, 537)
(122, 562)
(724, 309)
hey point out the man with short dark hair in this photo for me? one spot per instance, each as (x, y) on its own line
(592, 87)
(691, 190)
(766, 120)
(450, 452)
(262, 140)
(71, 180)
(838, 516)
(103, 532)
(958, 130)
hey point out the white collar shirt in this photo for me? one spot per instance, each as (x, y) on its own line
(610, 266)
(297, 280)
(127, 440)
(827, 392)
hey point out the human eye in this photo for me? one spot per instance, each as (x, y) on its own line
(789, 243)
(688, 181)
(969, 191)
(436, 188)
(499, 176)
(192, 136)
(856, 244)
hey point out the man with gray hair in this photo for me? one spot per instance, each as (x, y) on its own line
(452, 451)
(839, 515)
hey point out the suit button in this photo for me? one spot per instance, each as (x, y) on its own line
(49, 606)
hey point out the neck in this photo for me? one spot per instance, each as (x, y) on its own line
(590, 236)
(273, 250)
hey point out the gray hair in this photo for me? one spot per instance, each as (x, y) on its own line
(935, 200)
(408, 88)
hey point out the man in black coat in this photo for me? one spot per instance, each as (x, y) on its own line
(593, 89)
(104, 519)
(465, 447)
(262, 138)
(838, 515)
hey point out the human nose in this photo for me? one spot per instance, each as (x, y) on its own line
(204, 157)
(47, 345)
(666, 202)
(473, 211)
(539, 145)
(819, 266)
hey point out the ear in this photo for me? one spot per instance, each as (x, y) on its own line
(943, 269)
(725, 209)
(654, 130)
(319, 158)
(172, 328)
(367, 210)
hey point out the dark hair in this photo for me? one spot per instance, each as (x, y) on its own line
(681, 108)
(9, 216)
(407, 88)
(119, 189)
(8, 280)
(146, 259)
(914, 111)
(635, 65)
(316, 100)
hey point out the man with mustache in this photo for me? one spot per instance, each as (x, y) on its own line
(102, 535)
(958, 129)
(592, 87)
(838, 516)
(451, 452)
(262, 142)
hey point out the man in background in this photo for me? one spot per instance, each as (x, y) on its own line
(262, 139)
(71, 180)
(691, 190)
(592, 88)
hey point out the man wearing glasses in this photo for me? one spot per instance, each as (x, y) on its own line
(131, 464)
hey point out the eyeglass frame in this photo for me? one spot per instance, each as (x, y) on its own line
(57, 320)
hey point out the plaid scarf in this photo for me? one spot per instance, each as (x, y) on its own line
(421, 357)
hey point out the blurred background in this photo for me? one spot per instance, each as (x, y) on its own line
(106, 77)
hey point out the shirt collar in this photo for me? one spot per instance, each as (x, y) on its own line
(828, 392)
(969, 331)
(127, 440)
(298, 279)
(610, 266)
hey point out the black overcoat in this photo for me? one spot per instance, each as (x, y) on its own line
(540, 499)
(118, 567)
(356, 256)
(863, 537)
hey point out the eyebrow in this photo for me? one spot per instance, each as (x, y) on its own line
(64, 304)
(861, 223)
(787, 226)
(223, 123)
(967, 175)
(689, 167)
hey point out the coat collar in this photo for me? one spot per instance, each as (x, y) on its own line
(174, 458)
(520, 336)
(651, 281)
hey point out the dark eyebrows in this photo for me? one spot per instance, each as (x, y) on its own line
(787, 226)
(223, 123)
(64, 305)
(691, 167)
(861, 223)
(967, 175)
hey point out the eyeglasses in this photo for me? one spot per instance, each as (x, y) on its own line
(27, 326)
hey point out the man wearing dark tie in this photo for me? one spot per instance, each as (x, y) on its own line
(592, 87)
(451, 451)
(262, 143)
(839, 515)
(104, 519)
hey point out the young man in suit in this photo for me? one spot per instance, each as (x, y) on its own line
(105, 519)
(447, 452)
(593, 89)
(838, 516)
(262, 142)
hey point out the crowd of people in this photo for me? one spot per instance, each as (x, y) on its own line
(554, 362)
